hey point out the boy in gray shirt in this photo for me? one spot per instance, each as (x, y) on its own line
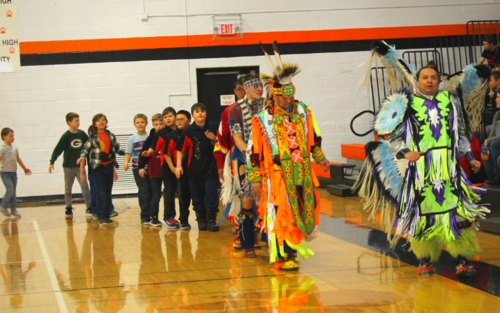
(9, 157)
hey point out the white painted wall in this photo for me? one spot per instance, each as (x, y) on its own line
(35, 101)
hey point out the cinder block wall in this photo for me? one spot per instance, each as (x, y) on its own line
(34, 101)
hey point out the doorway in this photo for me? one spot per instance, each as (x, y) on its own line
(213, 83)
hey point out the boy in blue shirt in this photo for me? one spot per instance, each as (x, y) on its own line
(133, 151)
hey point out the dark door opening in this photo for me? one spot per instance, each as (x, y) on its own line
(216, 82)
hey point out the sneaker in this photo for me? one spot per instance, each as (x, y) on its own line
(290, 265)
(88, 213)
(113, 214)
(146, 221)
(467, 270)
(94, 216)
(185, 226)
(424, 270)
(105, 222)
(15, 213)
(69, 212)
(171, 223)
(155, 222)
(202, 225)
(4, 212)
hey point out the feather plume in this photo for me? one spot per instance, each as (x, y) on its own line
(277, 53)
(381, 47)
(399, 72)
(268, 58)
(287, 72)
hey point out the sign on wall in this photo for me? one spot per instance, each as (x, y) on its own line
(226, 100)
(10, 59)
(227, 26)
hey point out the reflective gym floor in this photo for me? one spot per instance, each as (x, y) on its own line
(50, 264)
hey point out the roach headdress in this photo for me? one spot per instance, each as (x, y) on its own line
(280, 82)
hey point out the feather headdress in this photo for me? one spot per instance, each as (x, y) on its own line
(282, 73)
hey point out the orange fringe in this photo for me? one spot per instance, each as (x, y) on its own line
(284, 223)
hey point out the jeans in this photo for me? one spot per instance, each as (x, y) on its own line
(204, 194)
(491, 165)
(156, 195)
(9, 179)
(103, 181)
(69, 178)
(93, 201)
(145, 193)
(184, 196)
(170, 186)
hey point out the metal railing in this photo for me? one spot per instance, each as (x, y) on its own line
(476, 30)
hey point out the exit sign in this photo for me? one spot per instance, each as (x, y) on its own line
(227, 29)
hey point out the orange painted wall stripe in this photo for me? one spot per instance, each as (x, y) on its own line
(116, 44)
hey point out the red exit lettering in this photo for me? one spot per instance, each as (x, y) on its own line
(226, 29)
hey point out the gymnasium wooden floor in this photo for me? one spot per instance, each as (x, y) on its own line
(49, 264)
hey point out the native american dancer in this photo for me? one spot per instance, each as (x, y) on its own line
(237, 196)
(417, 170)
(284, 135)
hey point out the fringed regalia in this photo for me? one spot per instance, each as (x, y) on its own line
(235, 187)
(430, 202)
(279, 158)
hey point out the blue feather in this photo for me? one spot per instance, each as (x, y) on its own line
(393, 181)
(470, 81)
(392, 112)
(385, 170)
(391, 57)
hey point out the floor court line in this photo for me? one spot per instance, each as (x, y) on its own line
(264, 289)
(50, 269)
(270, 275)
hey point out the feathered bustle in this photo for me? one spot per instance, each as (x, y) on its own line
(483, 71)
(381, 47)
(399, 72)
(392, 111)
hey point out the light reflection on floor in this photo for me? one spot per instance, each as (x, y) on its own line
(130, 268)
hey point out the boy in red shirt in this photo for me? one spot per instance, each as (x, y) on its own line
(198, 142)
(182, 121)
(168, 177)
(151, 165)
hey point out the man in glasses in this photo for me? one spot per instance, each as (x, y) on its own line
(224, 133)
(238, 88)
(237, 195)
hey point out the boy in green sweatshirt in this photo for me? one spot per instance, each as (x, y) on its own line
(71, 144)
